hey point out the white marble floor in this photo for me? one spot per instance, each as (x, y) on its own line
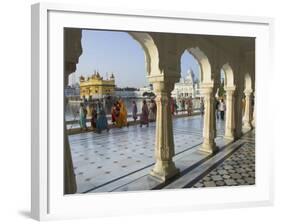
(238, 169)
(100, 159)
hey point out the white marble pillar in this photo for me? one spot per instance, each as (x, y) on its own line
(248, 109)
(238, 109)
(72, 52)
(164, 167)
(229, 121)
(209, 144)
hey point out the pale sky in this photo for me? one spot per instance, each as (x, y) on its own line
(118, 52)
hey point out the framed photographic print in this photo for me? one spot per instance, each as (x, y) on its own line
(148, 111)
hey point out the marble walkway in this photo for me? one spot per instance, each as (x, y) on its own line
(238, 169)
(112, 161)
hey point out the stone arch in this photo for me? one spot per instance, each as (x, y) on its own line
(150, 50)
(204, 64)
(230, 113)
(229, 77)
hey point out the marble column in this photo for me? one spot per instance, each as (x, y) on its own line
(164, 167)
(215, 91)
(209, 144)
(72, 52)
(248, 109)
(70, 186)
(229, 121)
(238, 109)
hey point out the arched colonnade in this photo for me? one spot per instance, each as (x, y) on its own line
(163, 51)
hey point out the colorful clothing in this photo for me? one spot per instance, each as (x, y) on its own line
(122, 118)
(144, 115)
(222, 108)
(152, 112)
(101, 123)
(83, 115)
(189, 108)
(94, 118)
(182, 106)
(113, 114)
(135, 111)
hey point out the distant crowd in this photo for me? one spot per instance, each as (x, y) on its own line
(119, 114)
(94, 109)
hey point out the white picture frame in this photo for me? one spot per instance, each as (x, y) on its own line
(48, 201)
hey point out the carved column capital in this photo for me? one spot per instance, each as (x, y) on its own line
(248, 92)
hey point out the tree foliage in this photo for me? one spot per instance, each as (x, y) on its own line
(221, 92)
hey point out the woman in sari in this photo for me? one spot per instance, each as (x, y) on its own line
(101, 123)
(122, 119)
(94, 117)
(82, 117)
(144, 114)
(113, 114)
(134, 111)
(152, 111)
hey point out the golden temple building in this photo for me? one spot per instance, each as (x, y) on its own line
(96, 86)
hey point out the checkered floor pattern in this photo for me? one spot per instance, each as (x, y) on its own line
(237, 169)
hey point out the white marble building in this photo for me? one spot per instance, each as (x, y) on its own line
(186, 87)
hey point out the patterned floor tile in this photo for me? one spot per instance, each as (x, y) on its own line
(238, 169)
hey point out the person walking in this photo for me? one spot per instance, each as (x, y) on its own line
(152, 111)
(122, 118)
(113, 114)
(134, 111)
(144, 114)
(83, 117)
(182, 103)
(217, 108)
(190, 107)
(94, 118)
(202, 106)
(101, 123)
(222, 108)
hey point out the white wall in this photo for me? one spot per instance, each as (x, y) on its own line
(15, 122)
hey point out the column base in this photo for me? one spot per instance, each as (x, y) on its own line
(238, 135)
(253, 123)
(229, 135)
(247, 126)
(164, 170)
(209, 147)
